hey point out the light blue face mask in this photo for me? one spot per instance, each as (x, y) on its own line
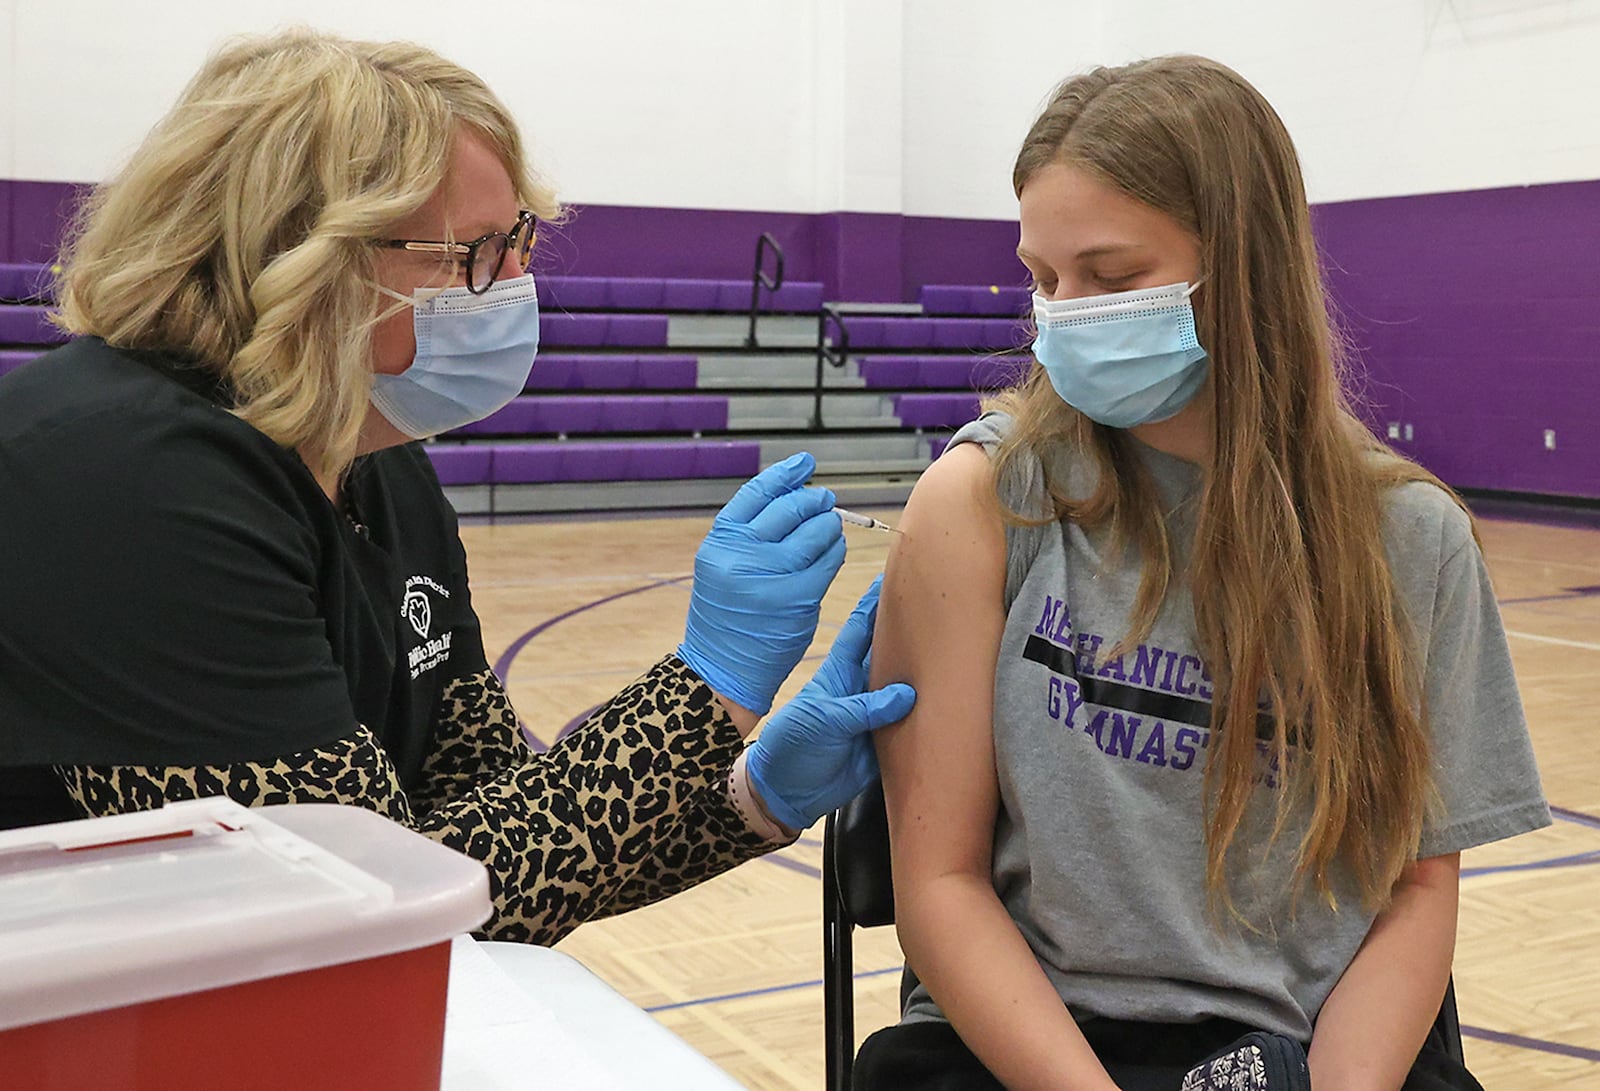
(474, 353)
(1123, 359)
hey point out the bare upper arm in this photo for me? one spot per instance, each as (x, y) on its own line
(1434, 872)
(939, 625)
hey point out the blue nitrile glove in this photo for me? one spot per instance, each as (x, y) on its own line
(759, 578)
(815, 755)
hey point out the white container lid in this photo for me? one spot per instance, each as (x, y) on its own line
(204, 893)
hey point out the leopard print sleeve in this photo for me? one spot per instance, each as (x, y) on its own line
(710, 840)
(355, 770)
(476, 737)
(565, 833)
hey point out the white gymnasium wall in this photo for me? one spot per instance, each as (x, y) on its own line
(8, 99)
(694, 103)
(859, 101)
(972, 88)
(1388, 97)
(1383, 97)
(912, 106)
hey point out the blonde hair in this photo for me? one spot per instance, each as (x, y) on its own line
(1293, 598)
(239, 234)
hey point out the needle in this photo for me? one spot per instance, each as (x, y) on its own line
(855, 519)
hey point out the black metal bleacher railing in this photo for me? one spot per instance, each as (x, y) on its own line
(834, 352)
(759, 280)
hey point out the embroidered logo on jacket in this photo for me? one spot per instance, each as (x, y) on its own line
(417, 609)
(419, 612)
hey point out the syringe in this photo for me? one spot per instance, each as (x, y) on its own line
(859, 520)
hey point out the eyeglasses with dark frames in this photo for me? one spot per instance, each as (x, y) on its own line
(485, 256)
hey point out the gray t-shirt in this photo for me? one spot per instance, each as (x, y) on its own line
(1099, 851)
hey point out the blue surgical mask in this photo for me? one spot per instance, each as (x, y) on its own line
(1123, 359)
(474, 353)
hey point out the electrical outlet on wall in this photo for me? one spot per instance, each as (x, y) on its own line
(1549, 439)
(1409, 434)
(1394, 429)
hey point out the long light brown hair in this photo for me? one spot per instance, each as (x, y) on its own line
(239, 235)
(1293, 597)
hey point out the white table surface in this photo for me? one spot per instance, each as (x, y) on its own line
(526, 1017)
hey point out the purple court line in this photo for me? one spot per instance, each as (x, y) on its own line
(1583, 1053)
(1572, 594)
(502, 666)
(763, 991)
(1576, 860)
(792, 865)
(1567, 814)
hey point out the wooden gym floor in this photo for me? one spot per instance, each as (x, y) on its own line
(572, 610)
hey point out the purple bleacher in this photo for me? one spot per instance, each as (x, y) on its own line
(28, 326)
(635, 294)
(461, 464)
(682, 294)
(561, 293)
(543, 413)
(798, 295)
(874, 332)
(942, 372)
(974, 299)
(21, 281)
(937, 444)
(540, 463)
(571, 293)
(11, 359)
(622, 330)
(527, 416)
(560, 371)
(935, 410)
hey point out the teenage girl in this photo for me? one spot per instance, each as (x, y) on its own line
(1213, 687)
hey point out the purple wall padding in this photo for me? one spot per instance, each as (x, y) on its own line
(858, 255)
(615, 240)
(33, 218)
(855, 255)
(6, 189)
(877, 257)
(935, 250)
(1475, 317)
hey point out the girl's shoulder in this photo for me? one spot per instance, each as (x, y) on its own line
(1424, 519)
